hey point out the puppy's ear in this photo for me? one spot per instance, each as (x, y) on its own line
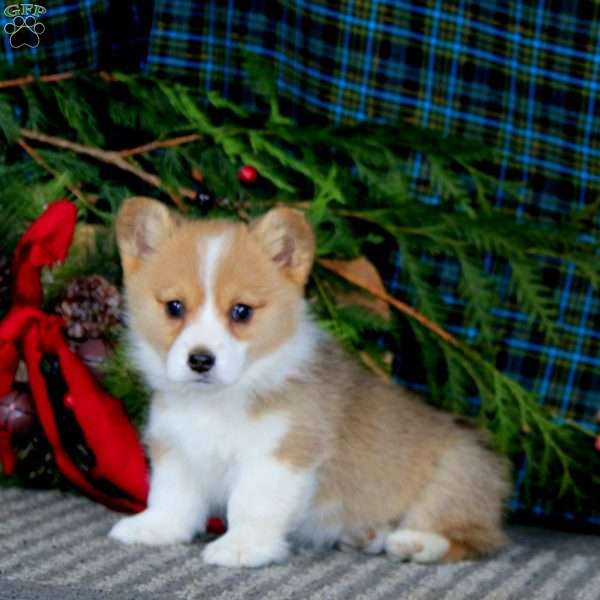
(288, 239)
(142, 224)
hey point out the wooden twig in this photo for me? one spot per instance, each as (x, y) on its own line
(113, 158)
(373, 366)
(176, 141)
(29, 79)
(54, 78)
(40, 160)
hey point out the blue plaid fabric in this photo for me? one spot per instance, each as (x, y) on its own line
(522, 77)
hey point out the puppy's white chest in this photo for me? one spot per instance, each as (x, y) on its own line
(217, 441)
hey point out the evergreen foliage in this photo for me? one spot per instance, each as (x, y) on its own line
(354, 186)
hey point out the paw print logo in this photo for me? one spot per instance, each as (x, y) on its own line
(24, 31)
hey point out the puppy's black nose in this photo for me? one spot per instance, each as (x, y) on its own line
(201, 361)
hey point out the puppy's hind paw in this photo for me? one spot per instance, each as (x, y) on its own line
(418, 546)
(366, 539)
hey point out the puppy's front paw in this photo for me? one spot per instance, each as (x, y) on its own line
(151, 528)
(243, 550)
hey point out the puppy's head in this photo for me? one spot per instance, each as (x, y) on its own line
(207, 299)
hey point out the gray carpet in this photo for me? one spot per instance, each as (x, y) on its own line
(54, 547)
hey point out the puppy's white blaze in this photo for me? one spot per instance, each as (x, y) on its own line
(207, 329)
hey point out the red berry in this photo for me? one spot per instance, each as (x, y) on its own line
(216, 526)
(248, 174)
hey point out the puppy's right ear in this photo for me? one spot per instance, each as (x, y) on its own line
(142, 224)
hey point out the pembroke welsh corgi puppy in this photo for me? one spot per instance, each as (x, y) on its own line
(259, 416)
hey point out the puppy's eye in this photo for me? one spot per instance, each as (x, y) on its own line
(240, 313)
(175, 309)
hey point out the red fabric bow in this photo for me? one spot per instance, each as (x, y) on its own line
(117, 474)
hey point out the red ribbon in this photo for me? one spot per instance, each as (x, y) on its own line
(28, 333)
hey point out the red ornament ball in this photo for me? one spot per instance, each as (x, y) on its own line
(248, 174)
(17, 413)
(215, 526)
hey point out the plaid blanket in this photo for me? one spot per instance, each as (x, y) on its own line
(523, 77)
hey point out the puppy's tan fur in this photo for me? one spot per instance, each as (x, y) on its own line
(390, 459)
(384, 459)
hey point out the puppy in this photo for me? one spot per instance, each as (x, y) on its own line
(258, 415)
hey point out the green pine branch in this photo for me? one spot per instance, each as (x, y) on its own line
(353, 184)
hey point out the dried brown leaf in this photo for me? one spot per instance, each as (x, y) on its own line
(362, 271)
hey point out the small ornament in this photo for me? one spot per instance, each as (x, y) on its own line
(22, 376)
(94, 353)
(5, 283)
(90, 307)
(205, 200)
(36, 464)
(17, 413)
(248, 175)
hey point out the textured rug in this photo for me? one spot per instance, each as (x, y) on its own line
(54, 547)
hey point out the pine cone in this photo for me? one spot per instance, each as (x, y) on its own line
(5, 284)
(90, 307)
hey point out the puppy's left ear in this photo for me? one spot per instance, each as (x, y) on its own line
(286, 236)
(142, 225)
